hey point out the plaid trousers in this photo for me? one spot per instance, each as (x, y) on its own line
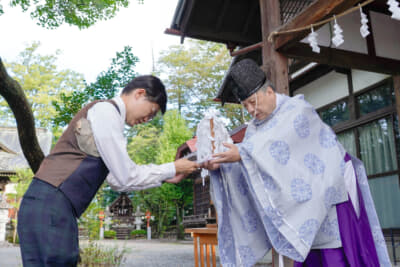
(47, 227)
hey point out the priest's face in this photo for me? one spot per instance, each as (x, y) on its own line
(138, 108)
(261, 104)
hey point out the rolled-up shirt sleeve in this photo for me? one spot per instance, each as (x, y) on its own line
(125, 175)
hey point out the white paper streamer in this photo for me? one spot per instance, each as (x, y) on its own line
(364, 30)
(312, 40)
(204, 138)
(337, 39)
(394, 8)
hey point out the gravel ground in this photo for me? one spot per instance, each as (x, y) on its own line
(141, 253)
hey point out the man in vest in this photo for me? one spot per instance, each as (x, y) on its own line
(92, 149)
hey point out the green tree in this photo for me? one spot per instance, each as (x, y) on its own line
(82, 13)
(107, 84)
(50, 14)
(149, 146)
(143, 148)
(194, 74)
(43, 83)
(89, 220)
(34, 81)
(175, 133)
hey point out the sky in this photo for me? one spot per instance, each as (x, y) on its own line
(90, 51)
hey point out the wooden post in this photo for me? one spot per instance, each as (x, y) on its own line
(196, 253)
(275, 65)
(201, 255)
(214, 260)
(208, 254)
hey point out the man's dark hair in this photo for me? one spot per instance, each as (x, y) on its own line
(155, 89)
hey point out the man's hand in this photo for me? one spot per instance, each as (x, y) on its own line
(185, 166)
(210, 166)
(232, 155)
(176, 179)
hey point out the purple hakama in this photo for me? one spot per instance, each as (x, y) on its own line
(358, 248)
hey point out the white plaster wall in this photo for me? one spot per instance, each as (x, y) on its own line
(386, 32)
(363, 79)
(10, 189)
(3, 221)
(325, 90)
(353, 40)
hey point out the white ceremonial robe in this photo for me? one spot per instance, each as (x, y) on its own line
(283, 192)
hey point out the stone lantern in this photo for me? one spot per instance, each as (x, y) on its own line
(138, 218)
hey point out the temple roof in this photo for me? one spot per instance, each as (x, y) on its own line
(227, 21)
(11, 155)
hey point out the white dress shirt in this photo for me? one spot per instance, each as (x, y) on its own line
(108, 131)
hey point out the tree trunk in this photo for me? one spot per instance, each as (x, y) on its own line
(16, 99)
(162, 215)
(15, 220)
(180, 235)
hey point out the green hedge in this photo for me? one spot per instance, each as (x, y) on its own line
(110, 234)
(138, 232)
(10, 239)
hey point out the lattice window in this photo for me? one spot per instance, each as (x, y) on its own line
(290, 8)
(202, 197)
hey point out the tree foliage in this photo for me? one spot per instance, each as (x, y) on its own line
(42, 82)
(34, 81)
(107, 85)
(81, 13)
(194, 75)
(168, 202)
(143, 148)
(50, 14)
(174, 133)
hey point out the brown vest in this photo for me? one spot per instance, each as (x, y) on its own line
(74, 165)
(66, 155)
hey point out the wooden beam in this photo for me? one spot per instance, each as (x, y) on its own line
(173, 32)
(275, 65)
(345, 59)
(317, 11)
(246, 49)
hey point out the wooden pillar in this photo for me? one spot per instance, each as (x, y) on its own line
(275, 64)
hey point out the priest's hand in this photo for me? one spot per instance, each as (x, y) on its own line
(185, 166)
(210, 166)
(232, 155)
(176, 179)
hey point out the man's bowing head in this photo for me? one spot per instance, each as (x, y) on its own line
(246, 83)
(144, 96)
